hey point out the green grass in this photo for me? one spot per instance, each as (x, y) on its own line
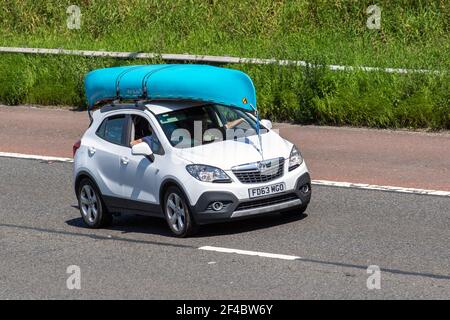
(414, 34)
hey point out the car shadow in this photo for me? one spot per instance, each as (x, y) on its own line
(128, 223)
(247, 225)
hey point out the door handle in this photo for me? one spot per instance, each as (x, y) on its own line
(91, 151)
(124, 160)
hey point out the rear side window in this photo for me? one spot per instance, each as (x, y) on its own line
(112, 129)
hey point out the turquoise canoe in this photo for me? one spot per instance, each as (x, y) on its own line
(171, 82)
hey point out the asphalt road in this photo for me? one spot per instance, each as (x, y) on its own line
(343, 232)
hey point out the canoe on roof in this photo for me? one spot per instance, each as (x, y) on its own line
(171, 82)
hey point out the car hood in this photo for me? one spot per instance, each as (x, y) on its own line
(230, 153)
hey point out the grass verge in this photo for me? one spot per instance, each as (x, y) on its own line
(413, 34)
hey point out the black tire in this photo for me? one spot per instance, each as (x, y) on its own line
(180, 221)
(90, 201)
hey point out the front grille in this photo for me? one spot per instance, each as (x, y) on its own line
(274, 169)
(266, 201)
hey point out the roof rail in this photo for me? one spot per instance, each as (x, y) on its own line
(123, 106)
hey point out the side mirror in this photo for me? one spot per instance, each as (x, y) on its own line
(266, 123)
(142, 149)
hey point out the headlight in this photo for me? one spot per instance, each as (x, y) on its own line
(295, 159)
(207, 173)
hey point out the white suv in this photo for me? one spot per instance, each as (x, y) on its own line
(188, 162)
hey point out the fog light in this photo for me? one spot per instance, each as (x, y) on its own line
(305, 188)
(217, 206)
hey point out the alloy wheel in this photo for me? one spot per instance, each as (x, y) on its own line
(89, 203)
(176, 212)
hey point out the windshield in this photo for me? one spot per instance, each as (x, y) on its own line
(199, 125)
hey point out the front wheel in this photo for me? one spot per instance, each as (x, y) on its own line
(177, 213)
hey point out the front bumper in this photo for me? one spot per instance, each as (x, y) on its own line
(234, 209)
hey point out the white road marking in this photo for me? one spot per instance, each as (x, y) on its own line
(250, 253)
(328, 183)
(34, 157)
(381, 188)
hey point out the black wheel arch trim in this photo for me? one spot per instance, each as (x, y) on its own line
(301, 181)
(164, 185)
(89, 176)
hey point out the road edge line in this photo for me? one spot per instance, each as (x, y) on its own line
(327, 183)
(33, 157)
(365, 186)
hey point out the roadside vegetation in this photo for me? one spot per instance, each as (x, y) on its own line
(414, 34)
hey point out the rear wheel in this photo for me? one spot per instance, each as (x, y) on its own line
(177, 213)
(92, 209)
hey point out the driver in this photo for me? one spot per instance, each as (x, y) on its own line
(147, 138)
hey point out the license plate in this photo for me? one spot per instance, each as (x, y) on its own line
(266, 190)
